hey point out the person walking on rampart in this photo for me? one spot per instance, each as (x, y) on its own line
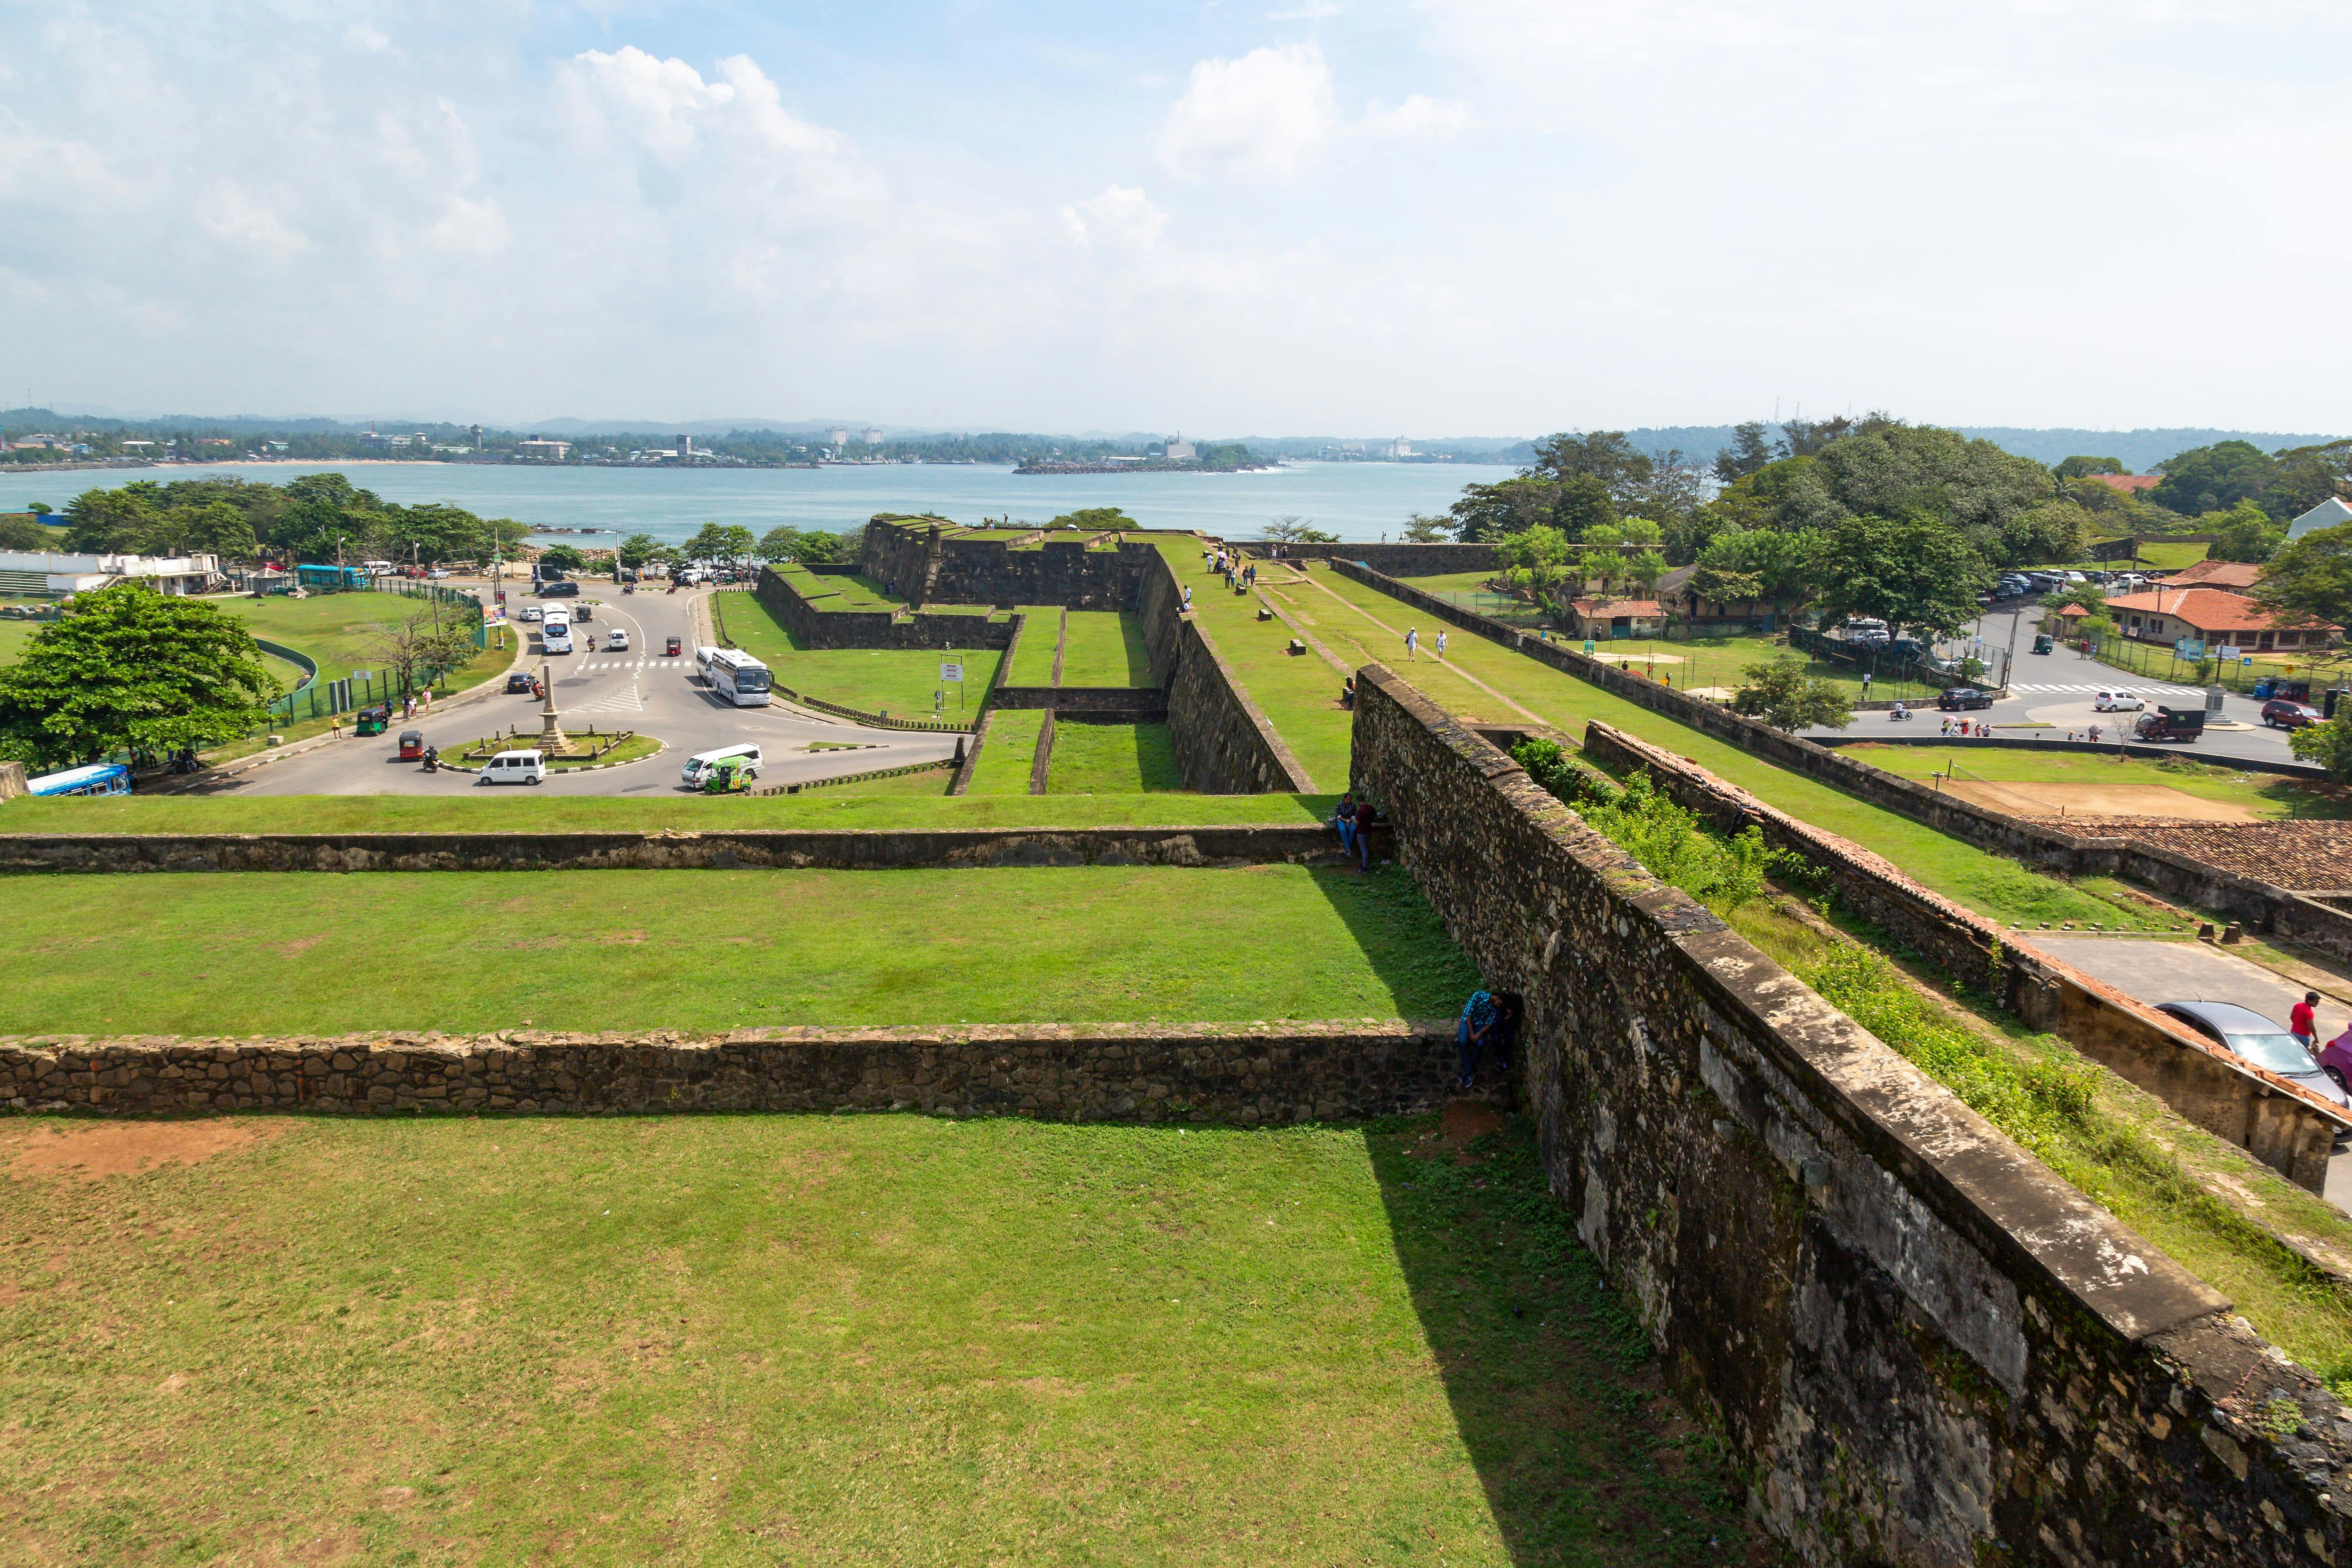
(1412, 642)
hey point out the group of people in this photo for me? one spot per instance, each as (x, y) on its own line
(1974, 727)
(414, 702)
(1413, 643)
(1353, 820)
(1239, 573)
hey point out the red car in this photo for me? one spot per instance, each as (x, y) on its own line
(2281, 713)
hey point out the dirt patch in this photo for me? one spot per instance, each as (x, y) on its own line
(1468, 1119)
(2067, 800)
(91, 1152)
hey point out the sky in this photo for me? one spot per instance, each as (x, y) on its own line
(1296, 217)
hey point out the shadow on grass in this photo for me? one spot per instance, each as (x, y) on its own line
(1584, 1458)
(1400, 937)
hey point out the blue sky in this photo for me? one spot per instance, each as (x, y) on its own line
(1307, 215)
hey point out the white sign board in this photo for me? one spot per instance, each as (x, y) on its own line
(951, 672)
(2225, 651)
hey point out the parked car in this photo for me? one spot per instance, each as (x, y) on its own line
(2119, 702)
(1959, 698)
(2244, 1033)
(2283, 713)
(514, 767)
(438, 572)
(519, 680)
(616, 640)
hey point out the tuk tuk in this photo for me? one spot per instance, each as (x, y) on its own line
(412, 745)
(2170, 724)
(587, 611)
(729, 777)
(2043, 642)
(674, 647)
(372, 721)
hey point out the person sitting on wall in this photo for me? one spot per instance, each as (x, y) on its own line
(1344, 819)
(1478, 1017)
(1348, 693)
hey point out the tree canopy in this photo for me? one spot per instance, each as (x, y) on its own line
(1780, 692)
(2311, 578)
(308, 518)
(132, 668)
(1914, 574)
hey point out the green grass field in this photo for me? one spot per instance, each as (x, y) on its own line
(1111, 759)
(2170, 555)
(1032, 661)
(1106, 648)
(838, 591)
(520, 811)
(1007, 753)
(15, 634)
(2265, 794)
(336, 629)
(713, 950)
(825, 1340)
(1984, 882)
(900, 682)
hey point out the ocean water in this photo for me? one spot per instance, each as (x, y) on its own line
(1358, 502)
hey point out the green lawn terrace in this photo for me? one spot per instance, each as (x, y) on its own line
(902, 682)
(836, 590)
(1105, 648)
(1008, 752)
(1112, 759)
(805, 1340)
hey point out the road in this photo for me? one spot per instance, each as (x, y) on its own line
(2056, 688)
(640, 690)
(2154, 971)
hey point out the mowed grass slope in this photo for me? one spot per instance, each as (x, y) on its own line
(1106, 648)
(883, 1339)
(1986, 883)
(1112, 759)
(249, 953)
(850, 806)
(1007, 752)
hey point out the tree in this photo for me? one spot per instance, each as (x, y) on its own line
(2049, 532)
(1604, 456)
(638, 548)
(424, 643)
(2244, 532)
(1644, 570)
(1750, 451)
(2311, 578)
(562, 558)
(1295, 529)
(722, 542)
(2212, 479)
(23, 534)
(1534, 559)
(2079, 468)
(1580, 502)
(1421, 529)
(132, 668)
(1781, 693)
(1640, 531)
(1912, 572)
(500, 536)
(1096, 520)
(1497, 511)
(2329, 744)
(109, 522)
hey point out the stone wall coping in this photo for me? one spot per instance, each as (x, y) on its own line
(1921, 1136)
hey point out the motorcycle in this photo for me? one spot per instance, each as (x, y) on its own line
(1897, 713)
(432, 759)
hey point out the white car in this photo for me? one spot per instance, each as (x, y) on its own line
(437, 574)
(2119, 702)
(514, 767)
(533, 612)
(617, 640)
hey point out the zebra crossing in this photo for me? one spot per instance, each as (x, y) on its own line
(631, 663)
(627, 700)
(2154, 690)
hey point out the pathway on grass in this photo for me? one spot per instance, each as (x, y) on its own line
(1521, 710)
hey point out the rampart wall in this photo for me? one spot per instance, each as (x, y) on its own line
(2259, 905)
(2269, 1118)
(1246, 1074)
(1400, 559)
(875, 629)
(929, 564)
(1923, 1346)
(847, 850)
(1224, 744)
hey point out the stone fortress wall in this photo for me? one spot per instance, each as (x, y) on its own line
(1925, 1347)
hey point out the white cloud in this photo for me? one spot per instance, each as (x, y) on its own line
(1419, 115)
(1121, 215)
(1257, 116)
(365, 39)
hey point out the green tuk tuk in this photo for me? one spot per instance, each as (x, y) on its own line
(372, 721)
(730, 775)
(2043, 642)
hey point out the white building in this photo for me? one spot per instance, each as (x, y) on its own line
(874, 435)
(2327, 514)
(542, 447)
(1178, 450)
(837, 437)
(25, 573)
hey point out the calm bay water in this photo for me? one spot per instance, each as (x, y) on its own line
(1358, 502)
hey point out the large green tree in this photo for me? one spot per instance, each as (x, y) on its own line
(1914, 574)
(1750, 450)
(2311, 578)
(132, 668)
(2244, 532)
(1487, 512)
(23, 534)
(2213, 479)
(1780, 692)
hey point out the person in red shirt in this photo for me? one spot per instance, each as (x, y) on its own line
(2303, 1022)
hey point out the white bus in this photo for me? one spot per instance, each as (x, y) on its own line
(555, 632)
(738, 677)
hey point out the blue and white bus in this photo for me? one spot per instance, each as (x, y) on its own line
(97, 778)
(738, 677)
(555, 632)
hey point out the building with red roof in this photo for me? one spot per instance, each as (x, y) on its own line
(2232, 576)
(2212, 615)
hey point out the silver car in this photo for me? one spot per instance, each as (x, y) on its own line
(2119, 702)
(2245, 1033)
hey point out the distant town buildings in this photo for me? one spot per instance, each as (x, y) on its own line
(874, 435)
(836, 437)
(1177, 450)
(542, 447)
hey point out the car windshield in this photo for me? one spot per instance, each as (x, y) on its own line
(2281, 1054)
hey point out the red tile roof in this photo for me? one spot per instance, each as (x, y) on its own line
(2238, 574)
(1612, 608)
(2129, 482)
(2211, 610)
(2073, 610)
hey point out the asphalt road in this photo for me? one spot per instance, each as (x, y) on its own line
(2156, 972)
(638, 689)
(2056, 689)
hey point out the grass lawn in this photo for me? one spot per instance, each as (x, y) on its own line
(2265, 794)
(2170, 555)
(333, 628)
(825, 1340)
(1007, 753)
(524, 810)
(714, 950)
(1986, 883)
(1033, 662)
(1111, 759)
(15, 634)
(900, 682)
(838, 591)
(1106, 648)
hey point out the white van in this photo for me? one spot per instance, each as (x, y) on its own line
(703, 654)
(697, 766)
(514, 767)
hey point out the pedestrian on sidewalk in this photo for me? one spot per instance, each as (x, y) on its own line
(2303, 1022)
